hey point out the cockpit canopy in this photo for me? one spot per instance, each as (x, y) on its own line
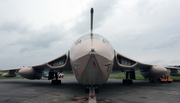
(88, 36)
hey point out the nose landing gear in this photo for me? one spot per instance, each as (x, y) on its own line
(92, 90)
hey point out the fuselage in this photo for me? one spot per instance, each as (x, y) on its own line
(92, 59)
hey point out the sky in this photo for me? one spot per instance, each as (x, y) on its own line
(33, 32)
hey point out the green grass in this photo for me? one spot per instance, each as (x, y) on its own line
(1, 73)
(175, 78)
(9, 77)
(68, 74)
(122, 73)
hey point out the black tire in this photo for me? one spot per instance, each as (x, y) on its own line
(169, 81)
(158, 81)
(96, 90)
(87, 91)
(131, 82)
(52, 82)
(151, 80)
(124, 81)
(59, 82)
(55, 82)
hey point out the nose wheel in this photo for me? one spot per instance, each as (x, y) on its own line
(96, 89)
(87, 90)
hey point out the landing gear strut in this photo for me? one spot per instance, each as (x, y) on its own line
(56, 81)
(96, 89)
(127, 80)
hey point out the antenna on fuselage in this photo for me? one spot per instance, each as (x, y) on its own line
(92, 11)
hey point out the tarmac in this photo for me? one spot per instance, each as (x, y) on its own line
(70, 91)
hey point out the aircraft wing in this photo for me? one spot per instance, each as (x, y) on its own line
(125, 64)
(60, 64)
(174, 71)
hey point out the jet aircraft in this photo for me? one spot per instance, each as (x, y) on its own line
(91, 59)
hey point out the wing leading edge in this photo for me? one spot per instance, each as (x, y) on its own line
(174, 71)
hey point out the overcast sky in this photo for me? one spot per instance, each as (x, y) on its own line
(36, 31)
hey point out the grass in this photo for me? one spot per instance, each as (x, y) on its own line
(1, 73)
(68, 74)
(9, 77)
(175, 78)
(122, 73)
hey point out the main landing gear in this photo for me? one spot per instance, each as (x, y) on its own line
(132, 76)
(56, 81)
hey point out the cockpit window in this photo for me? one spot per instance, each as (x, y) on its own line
(102, 39)
(95, 36)
(77, 42)
(87, 37)
(106, 41)
(82, 39)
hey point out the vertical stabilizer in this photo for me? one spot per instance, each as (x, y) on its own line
(92, 11)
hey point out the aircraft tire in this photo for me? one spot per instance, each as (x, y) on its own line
(96, 90)
(52, 82)
(59, 82)
(127, 81)
(158, 81)
(56, 82)
(151, 80)
(169, 81)
(87, 90)
(130, 82)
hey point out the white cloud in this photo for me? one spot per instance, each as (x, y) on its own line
(34, 32)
